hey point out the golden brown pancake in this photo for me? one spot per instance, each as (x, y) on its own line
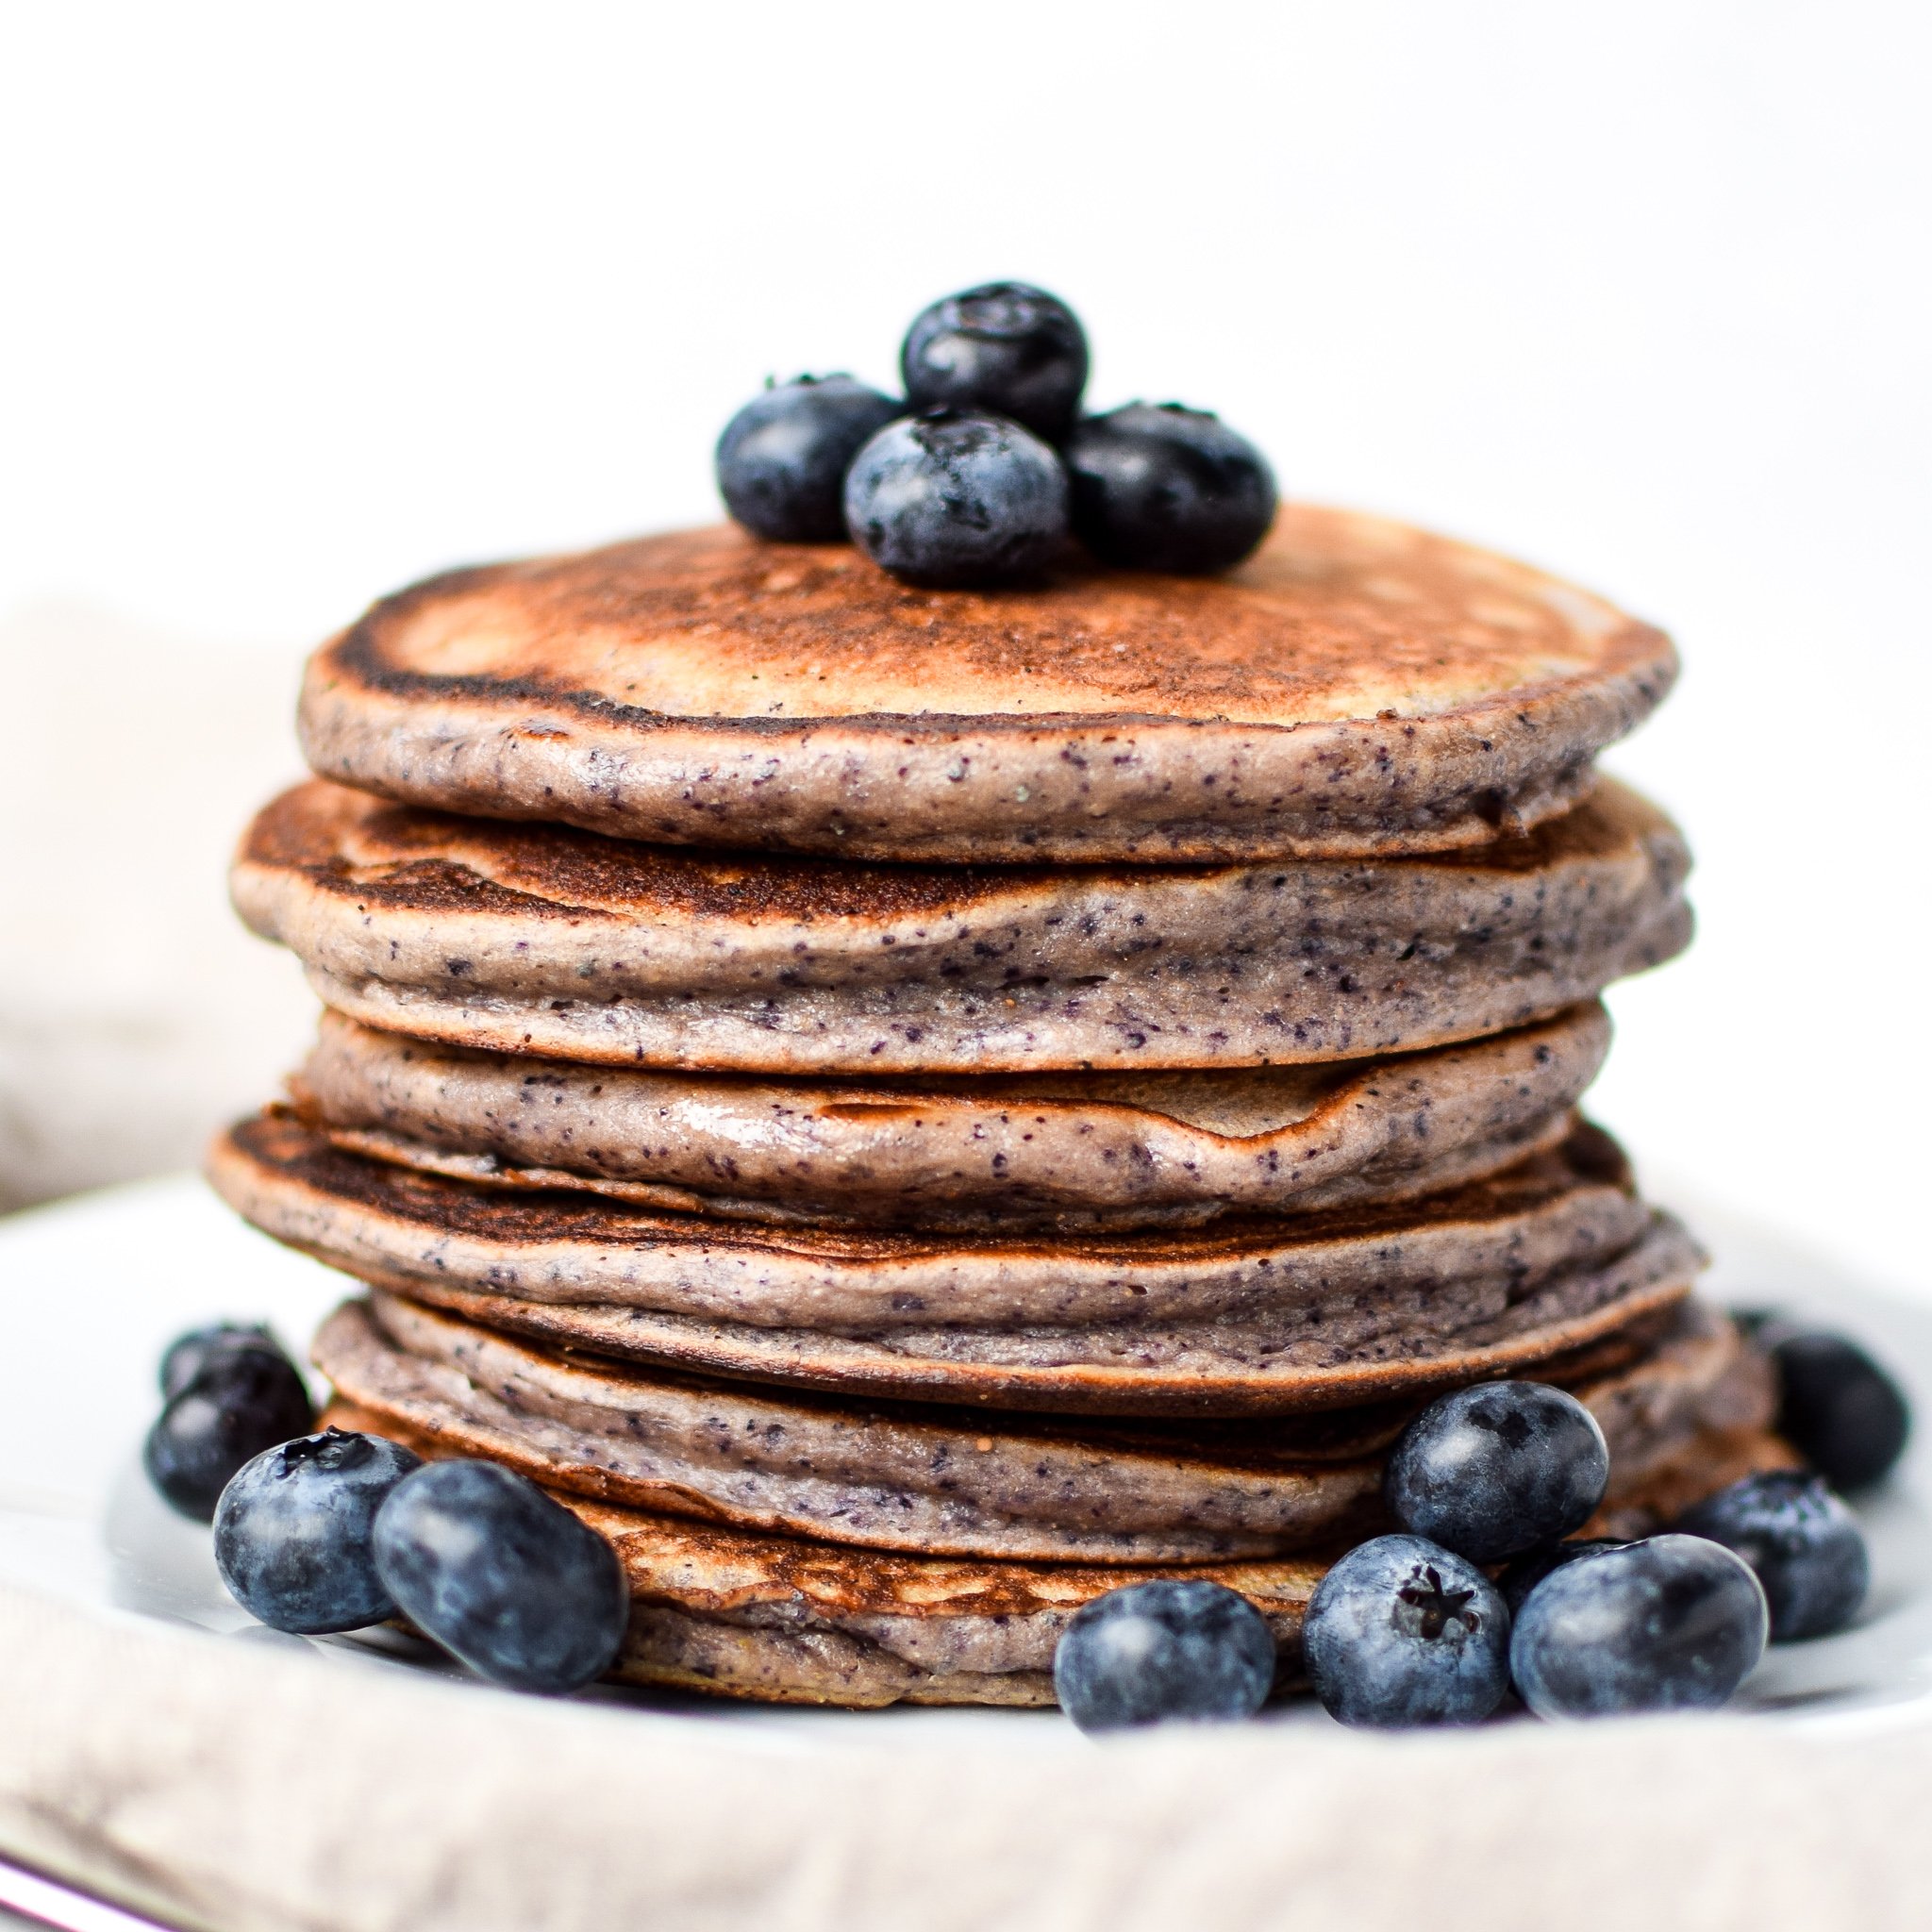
(542, 941)
(1061, 1151)
(1245, 1316)
(950, 1482)
(777, 1620)
(1354, 687)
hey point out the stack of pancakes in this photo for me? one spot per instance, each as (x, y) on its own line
(910, 1109)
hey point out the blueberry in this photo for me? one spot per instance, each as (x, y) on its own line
(293, 1529)
(782, 459)
(1803, 1543)
(482, 1560)
(949, 499)
(1167, 1649)
(1497, 1468)
(186, 1355)
(1157, 487)
(1674, 1623)
(240, 1401)
(1004, 347)
(1402, 1632)
(1841, 1412)
(1525, 1571)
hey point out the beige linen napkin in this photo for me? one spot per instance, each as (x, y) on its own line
(251, 1789)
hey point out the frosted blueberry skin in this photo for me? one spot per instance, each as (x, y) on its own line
(1153, 1652)
(1523, 1574)
(782, 459)
(293, 1531)
(239, 1403)
(1005, 348)
(1402, 1632)
(951, 500)
(1159, 487)
(188, 1355)
(1674, 1623)
(479, 1559)
(1492, 1471)
(1841, 1412)
(1801, 1539)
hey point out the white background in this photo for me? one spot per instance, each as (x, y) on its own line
(297, 304)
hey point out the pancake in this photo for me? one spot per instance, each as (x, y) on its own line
(733, 1613)
(1248, 1317)
(1049, 1151)
(549, 941)
(1356, 688)
(948, 1483)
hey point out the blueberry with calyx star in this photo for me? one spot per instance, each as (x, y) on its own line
(1402, 1632)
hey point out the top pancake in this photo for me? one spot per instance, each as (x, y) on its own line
(1356, 688)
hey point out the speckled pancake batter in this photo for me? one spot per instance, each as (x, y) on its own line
(1060, 1151)
(963, 1483)
(537, 940)
(1356, 688)
(1249, 1317)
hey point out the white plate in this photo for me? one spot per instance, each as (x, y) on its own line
(92, 1289)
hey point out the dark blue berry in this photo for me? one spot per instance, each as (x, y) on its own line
(1005, 348)
(782, 459)
(1498, 1469)
(186, 1355)
(293, 1531)
(1674, 1622)
(948, 500)
(479, 1559)
(1157, 487)
(1168, 1649)
(1525, 1571)
(1402, 1632)
(1803, 1543)
(240, 1401)
(1841, 1412)
(1494, 1469)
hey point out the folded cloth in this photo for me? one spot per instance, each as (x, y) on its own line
(251, 1787)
